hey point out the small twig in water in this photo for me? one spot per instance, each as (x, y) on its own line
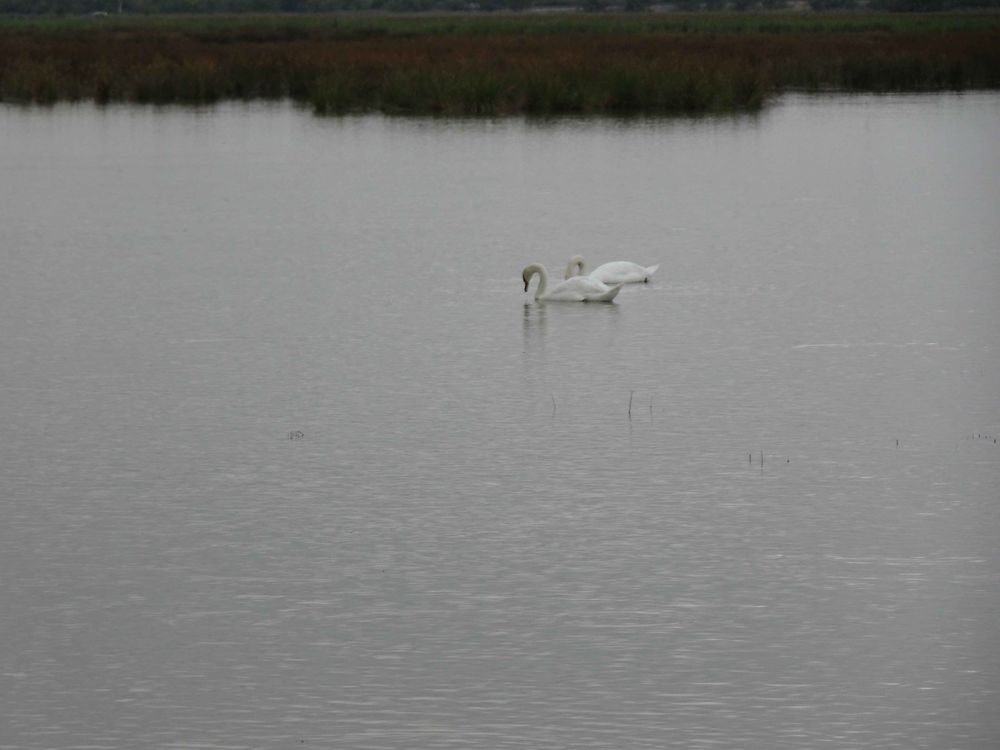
(630, 393)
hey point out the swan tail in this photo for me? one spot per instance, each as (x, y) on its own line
(651, 270)
(608, 295)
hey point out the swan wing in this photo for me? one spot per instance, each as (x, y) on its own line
(622, 272)
(581, 289)
(566, 291)
(610, 294)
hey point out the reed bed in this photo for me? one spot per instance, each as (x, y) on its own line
(458, 67)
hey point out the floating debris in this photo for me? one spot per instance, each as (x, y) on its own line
(984, 437)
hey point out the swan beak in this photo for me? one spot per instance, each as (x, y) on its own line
(525, 280)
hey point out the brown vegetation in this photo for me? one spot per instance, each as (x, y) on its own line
(495, 73)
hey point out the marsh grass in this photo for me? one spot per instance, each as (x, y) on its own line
(492, 66)
(250, 27)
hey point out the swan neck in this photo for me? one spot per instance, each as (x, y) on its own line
(543, 278)
(576, 267)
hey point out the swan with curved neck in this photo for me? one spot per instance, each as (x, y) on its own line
(576, 289)
(615, 272)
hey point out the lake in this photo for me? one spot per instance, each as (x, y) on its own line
(291, 459)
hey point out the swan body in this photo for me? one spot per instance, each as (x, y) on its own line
(616, 272)
(576, 289)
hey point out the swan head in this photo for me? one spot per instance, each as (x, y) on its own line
(576, 267)
(529, 272)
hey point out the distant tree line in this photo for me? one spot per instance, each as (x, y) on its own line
(150, 7)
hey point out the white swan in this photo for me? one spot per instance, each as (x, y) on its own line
(576, 289)
(616, 272)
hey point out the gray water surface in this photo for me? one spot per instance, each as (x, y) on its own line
(290, 459)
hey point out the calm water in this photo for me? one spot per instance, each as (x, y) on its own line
(289, 458)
